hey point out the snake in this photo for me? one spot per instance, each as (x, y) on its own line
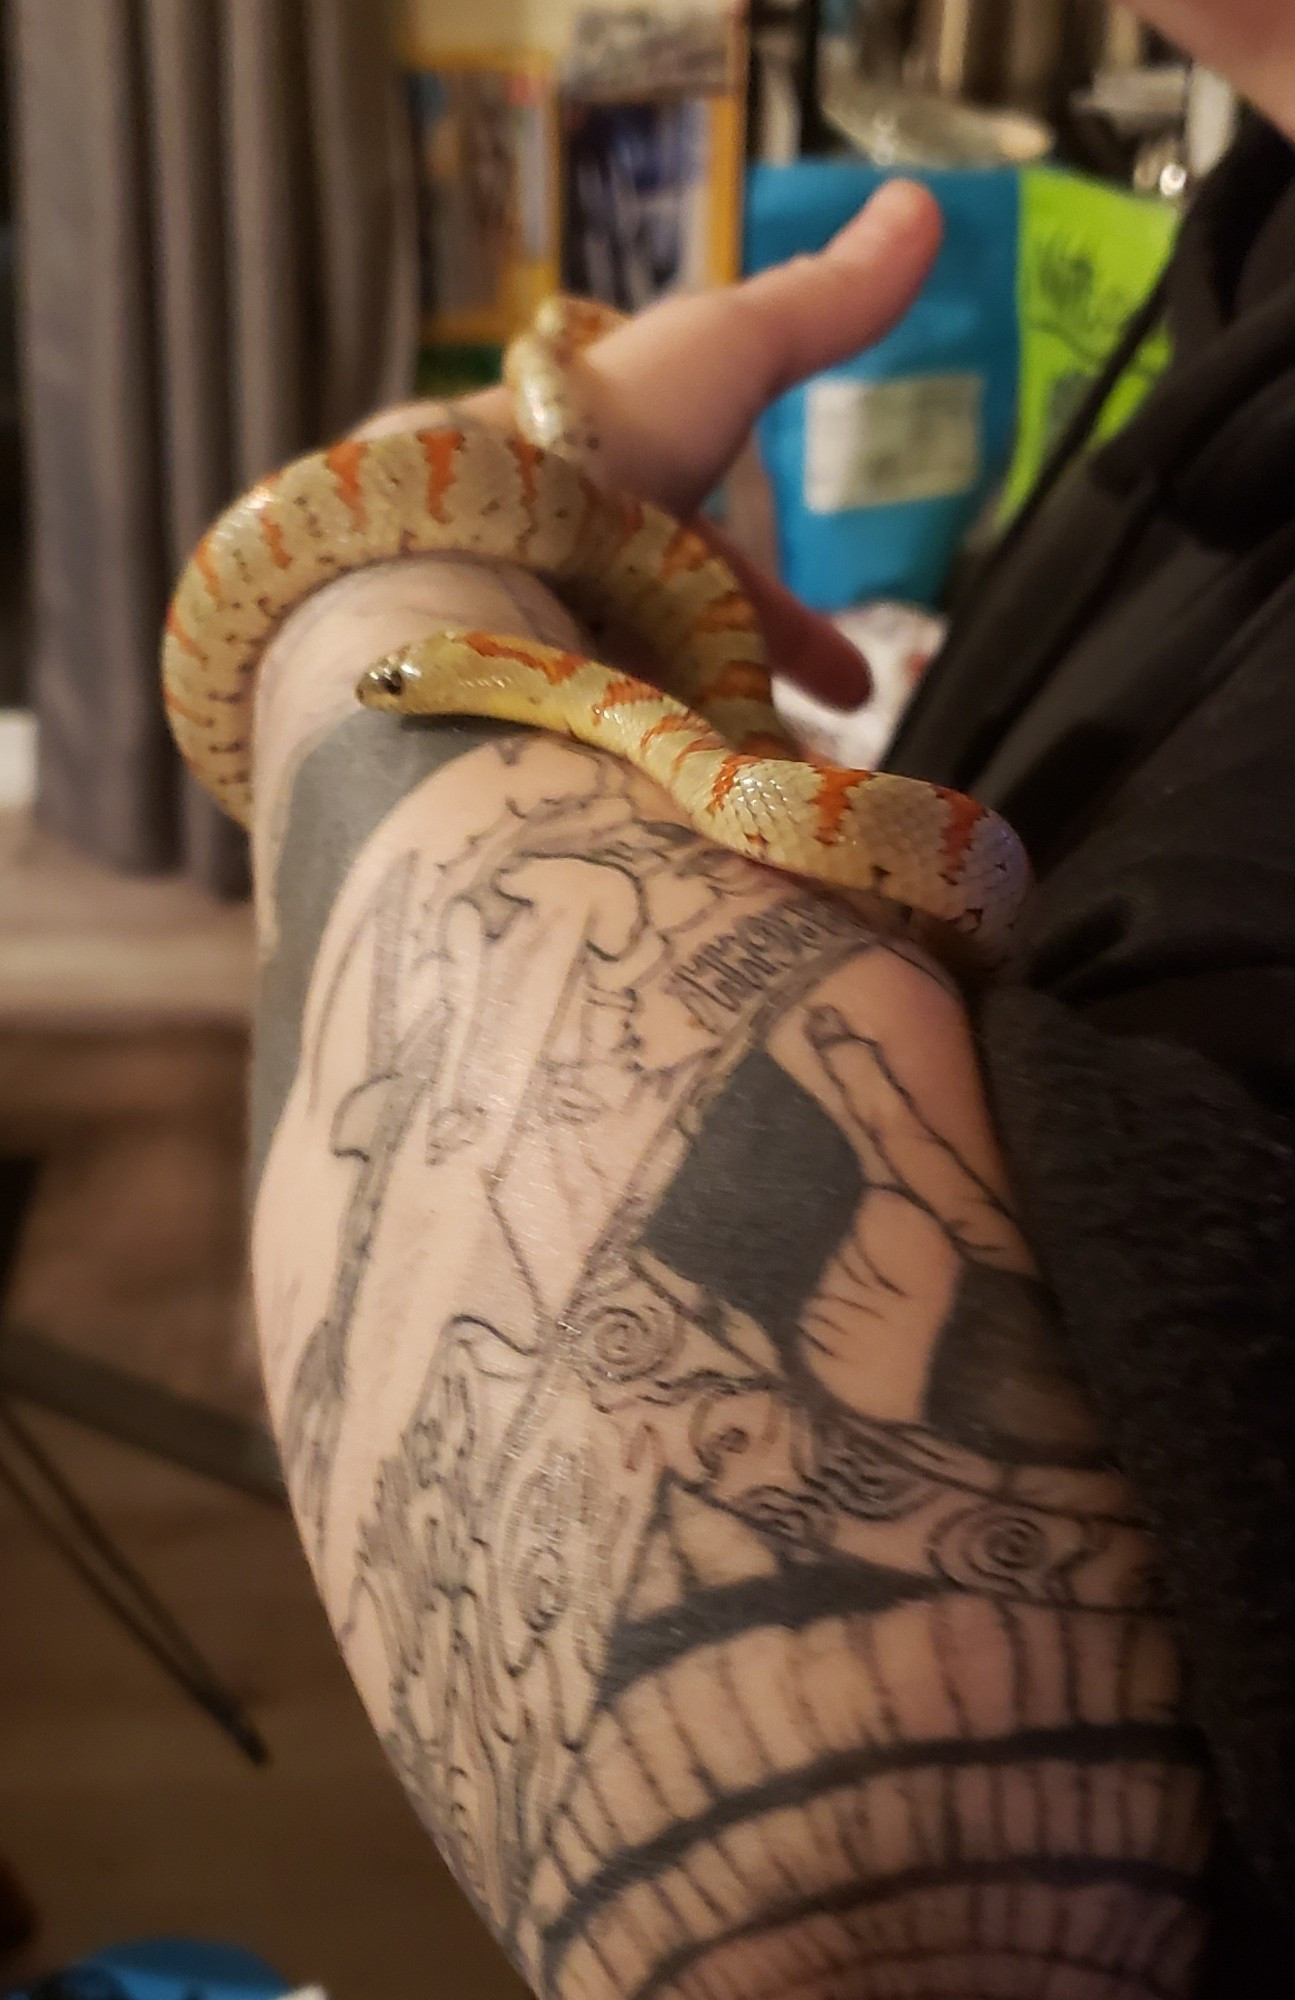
(700, 721)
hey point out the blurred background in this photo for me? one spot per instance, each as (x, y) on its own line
(228, 230)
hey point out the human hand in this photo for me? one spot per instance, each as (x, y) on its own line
(677, 388)
(674, 392)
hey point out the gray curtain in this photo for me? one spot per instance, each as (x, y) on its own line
(217, 258)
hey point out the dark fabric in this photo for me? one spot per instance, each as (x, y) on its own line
(1123, 688)
(1132, 593)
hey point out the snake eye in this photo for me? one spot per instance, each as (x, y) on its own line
(389, 678)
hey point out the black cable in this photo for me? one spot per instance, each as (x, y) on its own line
(201, 1687)
(85, 1523)
(148, 1621)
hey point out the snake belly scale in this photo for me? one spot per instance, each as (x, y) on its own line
(704, 727)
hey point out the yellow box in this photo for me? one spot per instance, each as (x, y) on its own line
(499, 210)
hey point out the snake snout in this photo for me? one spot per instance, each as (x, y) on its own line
(384, 685)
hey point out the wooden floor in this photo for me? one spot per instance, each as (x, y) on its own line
(126, 1814)
(122, 1809)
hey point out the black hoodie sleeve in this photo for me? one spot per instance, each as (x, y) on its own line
(1141, 1065)
(1121, 685)
(1160, 1198)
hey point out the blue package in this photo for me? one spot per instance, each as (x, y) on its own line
(879, 466)
(163, 1969)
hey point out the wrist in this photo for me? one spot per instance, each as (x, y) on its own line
(308, 675)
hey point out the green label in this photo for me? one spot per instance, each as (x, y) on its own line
(1089, 255)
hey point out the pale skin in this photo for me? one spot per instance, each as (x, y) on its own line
(678, 1431)
(676, 1427)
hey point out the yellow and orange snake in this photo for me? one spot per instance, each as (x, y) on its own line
(708, 734)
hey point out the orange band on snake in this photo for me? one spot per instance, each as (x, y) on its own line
(708, 733)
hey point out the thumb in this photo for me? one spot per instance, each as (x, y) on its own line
(677, 388)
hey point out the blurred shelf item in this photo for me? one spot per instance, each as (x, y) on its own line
(784, 105)
(1128, 124)
(1010, 52)
(1122, 40)
(1210, 120)
(899, 127)
(774, 94)
(597, 148)
(1159, 126)
(651, 141)
(888, 65)
(484, 126)
(617, 52)
(1137, 103)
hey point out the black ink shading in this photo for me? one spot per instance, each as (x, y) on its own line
(686, 1649)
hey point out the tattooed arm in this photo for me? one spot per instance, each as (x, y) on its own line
(674, 1420)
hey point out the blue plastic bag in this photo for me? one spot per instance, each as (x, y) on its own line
(879, 466)
(163, 1969)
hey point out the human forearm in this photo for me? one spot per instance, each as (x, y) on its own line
(672, 1414)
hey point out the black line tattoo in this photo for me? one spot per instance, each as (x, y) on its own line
(713, 1678)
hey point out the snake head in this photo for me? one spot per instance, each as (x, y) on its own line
(387, 684)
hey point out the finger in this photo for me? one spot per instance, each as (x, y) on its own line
(802, 644)
(677, 389)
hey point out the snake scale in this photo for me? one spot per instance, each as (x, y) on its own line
(707, 731)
